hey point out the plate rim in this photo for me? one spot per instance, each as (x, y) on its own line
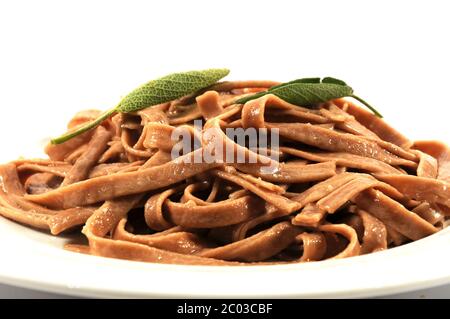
(410, 254)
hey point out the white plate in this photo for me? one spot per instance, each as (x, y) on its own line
(34, 259)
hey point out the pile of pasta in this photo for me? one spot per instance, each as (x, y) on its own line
(344, 183)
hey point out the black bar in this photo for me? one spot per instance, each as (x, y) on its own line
(201, 308)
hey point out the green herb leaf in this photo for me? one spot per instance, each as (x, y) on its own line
(169, 88)
(86, 127)
(329, 79)
(308, 92)
(305, 92)
(304, 80)
(165, 89)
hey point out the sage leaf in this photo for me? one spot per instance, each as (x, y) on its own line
(329, 79)
(305, 92)
(168, 88)
(164, 89)
(304, 80)
(309, 92)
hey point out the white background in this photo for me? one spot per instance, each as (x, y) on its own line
(57, 57)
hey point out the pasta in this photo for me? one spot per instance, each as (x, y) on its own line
(342, 183)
